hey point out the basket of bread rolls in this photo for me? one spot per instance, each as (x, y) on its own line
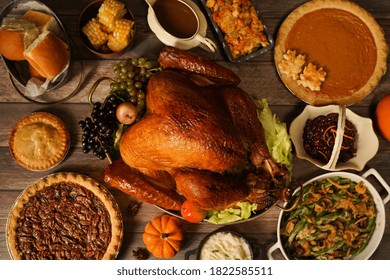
(34, 47)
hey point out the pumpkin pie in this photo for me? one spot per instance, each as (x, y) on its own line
(330, 52)
(64, 216)
(39, 141)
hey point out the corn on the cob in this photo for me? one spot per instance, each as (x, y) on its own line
(120, 37)
(95, 34)
(109, 12)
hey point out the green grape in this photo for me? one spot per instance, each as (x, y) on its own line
(141, 105)
(132, 91)
(148, 65)
(123, 86)
(141, 61)
(115, 87)
(134, 61)
(131, 74)
(141, 95)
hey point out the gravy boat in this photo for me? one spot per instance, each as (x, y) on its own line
(182, 43)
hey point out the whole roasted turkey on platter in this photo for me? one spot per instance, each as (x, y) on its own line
(200, 140)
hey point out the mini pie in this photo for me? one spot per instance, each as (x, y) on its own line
(64, 216)
(39, 141)
(343, 42)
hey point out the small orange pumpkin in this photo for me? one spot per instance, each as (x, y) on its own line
(163, 236)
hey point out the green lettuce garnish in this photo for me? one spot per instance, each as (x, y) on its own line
(279, 145)
(243, 211)
(276, 136)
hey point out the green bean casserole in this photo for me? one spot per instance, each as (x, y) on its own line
(334, 220)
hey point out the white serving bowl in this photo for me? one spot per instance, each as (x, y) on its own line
(379, 204)
(256, 250)
(366, 146)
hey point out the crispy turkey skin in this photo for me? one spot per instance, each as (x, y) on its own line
(204, 137)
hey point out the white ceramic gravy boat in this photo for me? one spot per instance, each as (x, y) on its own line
(182, 43)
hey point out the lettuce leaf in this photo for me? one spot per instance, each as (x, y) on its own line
(279, 145)
(243, 211)
(276, 136)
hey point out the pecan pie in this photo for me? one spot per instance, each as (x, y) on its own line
(39, 141)
(344, 45)
(64, 216)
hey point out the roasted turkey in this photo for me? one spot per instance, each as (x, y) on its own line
(199, 140)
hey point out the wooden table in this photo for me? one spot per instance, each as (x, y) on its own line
(259, 78)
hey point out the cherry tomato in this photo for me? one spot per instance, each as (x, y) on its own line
(192, 212)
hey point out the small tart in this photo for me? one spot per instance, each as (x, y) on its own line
(341, 38)
(64, 216)
(39, 141)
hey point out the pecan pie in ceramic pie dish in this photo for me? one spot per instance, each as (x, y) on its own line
(330, 52)
(39, 141)
(64, 216)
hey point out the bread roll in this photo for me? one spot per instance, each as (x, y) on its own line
(34, 73)
(15, 36)
(48, 54)
(43, 21)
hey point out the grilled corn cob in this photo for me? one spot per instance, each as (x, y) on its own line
(120, 37)
(109, 12)
(95, 34)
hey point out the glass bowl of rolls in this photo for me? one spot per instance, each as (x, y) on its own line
(36, 51)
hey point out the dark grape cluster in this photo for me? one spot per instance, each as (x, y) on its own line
(102, 131)
(98, 129)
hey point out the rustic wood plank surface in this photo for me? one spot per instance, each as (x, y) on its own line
(259, 78)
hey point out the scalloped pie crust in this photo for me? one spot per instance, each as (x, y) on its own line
(39, 141)
(343, 39)
(50, 232)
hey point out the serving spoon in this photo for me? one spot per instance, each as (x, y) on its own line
(338, 139)
(150, 3)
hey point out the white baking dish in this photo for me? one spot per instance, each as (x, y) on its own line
(379, 203)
